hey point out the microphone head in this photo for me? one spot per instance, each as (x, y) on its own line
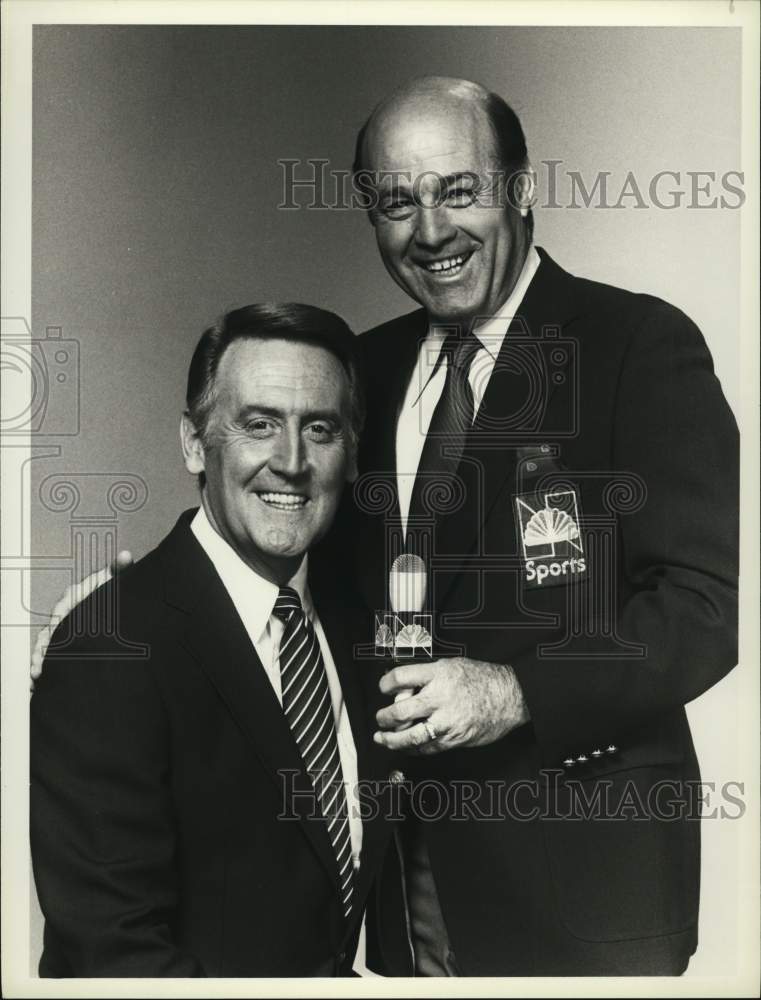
(407, 584)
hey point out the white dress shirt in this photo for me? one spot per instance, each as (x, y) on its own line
(424, 389)
(254, 598)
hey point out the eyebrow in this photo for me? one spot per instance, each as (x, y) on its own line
(460, 175)
(274, 411)
(397, 186)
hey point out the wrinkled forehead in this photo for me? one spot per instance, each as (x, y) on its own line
(426, 136)
(289, 374)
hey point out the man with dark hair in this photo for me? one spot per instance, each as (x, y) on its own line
(293, 320)
(560, 454)
(195, 772)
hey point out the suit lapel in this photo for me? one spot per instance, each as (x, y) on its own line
(395, 378)
(217, 640)
(378, 535)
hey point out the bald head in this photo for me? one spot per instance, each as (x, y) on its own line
(444, 165)
(471, 109)
(428, 95)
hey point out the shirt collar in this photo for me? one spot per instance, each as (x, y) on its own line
(492, 332)
(247, 588)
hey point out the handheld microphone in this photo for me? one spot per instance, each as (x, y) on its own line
(407, 587)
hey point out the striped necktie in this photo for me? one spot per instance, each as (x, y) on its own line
(309, 711)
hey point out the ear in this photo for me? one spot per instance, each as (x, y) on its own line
(192, 447)
(352, 472)
(525, 189)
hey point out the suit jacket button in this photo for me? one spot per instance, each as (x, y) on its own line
(582, 758)
(342, 958)
(597, 754)
(569, 762)
(396, 777)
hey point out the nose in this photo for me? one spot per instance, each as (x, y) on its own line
(434, 227)
(288, 456)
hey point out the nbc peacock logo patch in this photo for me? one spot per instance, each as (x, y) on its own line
(550, 538)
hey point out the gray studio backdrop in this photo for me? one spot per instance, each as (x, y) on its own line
(155, 208)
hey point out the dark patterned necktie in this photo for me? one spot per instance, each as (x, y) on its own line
(451, 420)
(309, 711)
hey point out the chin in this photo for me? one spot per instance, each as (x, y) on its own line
(280, 541)
(445, 312)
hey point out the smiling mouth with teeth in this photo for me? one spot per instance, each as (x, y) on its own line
(284, 501)
(448, 267)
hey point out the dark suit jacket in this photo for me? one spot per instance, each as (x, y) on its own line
(619, 389)
(155, 752)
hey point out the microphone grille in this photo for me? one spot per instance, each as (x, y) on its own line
(407, 583)
(408, 563)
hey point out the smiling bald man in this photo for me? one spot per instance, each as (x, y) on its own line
(561, 455)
